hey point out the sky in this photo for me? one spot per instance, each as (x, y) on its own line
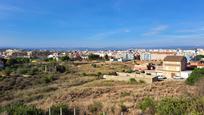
(101, 23)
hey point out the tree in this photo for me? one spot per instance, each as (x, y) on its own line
(11, 61)
(150, 66)
(106, 57)
(65, 58)
(199, 57)
(195, 76)
(94, 57)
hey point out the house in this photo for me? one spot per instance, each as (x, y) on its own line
(173, 65)
(197, 64)
(155, 56)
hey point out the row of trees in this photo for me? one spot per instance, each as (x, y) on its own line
(97, 57)
(13, 61)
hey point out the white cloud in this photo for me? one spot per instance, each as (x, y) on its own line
(157, 30)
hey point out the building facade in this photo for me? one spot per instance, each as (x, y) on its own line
(173, 65)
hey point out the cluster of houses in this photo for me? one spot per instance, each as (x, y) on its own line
(172, 67)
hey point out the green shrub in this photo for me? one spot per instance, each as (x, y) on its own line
(180, 106)
(123, 108)
(95, 107)
(33, 71)
(99, 75)
(7, 71)
(142, 81)
(84, 74)
(94, 57)
(20, 109)
(130, 71)
(132, 81)
(65, 58)
(195, 76)
(22, 71)
(48, 78)
(93, 65)
(148, 104)
(55, 109)
(60, 68)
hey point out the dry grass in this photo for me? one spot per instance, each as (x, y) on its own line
(82, 91)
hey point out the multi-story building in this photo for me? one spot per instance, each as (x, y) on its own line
(173, 65)
(155, 56)
(146, 56)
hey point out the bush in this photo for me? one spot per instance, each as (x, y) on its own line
(93, 65)
(129, 71)
(55, 109)
(7, 71)
(95, 107)
(148, 104)
(123, 108)
(173, 106)
(84, 74)
(60, 68)
(195, 76)
(148, 74)
(180, 106)
(142, 81)
(100, 75)
(132, 81)
(48, 78)
(94, 57)
(20, 109)
(65, 58)
(33, 71)
(22, 71)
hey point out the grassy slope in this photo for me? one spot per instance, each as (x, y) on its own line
(77, 90)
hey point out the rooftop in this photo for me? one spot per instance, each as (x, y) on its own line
(174, 58)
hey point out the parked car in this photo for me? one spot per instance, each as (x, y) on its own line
(158, 78)
(178, 78)
(161, 77)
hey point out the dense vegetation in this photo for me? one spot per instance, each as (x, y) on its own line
(94, 57)
(173, 106)
(166, 106)
(195, 76)
(199, 57)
